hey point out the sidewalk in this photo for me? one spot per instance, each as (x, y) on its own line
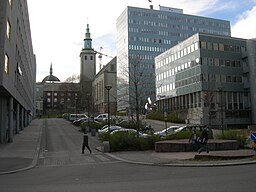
(187, 159)
(23, 154)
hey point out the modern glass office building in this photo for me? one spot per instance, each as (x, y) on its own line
(142, 34)
(206, 79)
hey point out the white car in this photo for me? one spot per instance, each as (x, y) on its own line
(133, 131)
(169, 131)
(106, 129)
(101, 117)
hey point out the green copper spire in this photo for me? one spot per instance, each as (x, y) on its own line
(87, 40)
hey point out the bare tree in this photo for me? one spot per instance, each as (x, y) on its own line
(73, 79)
(137, 82)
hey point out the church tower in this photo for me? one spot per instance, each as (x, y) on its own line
(87, 67)
(88, 63)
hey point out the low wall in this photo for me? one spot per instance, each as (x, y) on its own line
(185, 146)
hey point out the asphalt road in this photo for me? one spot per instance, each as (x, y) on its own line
(62, 167)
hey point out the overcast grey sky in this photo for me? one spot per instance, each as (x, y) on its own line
(58, 26)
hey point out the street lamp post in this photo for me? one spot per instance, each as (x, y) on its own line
(165, 116)
(76, 105)
(221, 109)
(108, 87)
(88, 105)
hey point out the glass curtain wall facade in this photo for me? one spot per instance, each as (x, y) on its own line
(142, 34)
(205, 79)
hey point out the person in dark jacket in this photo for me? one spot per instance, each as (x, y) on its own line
(193, 139)
(203, 140)
(85, 143)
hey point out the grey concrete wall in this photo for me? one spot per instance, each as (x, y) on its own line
(251, 49)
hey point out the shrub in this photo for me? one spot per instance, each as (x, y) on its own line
(132, 124)
(91, 125)
(159, 115)
(233, 135)
(179, 135)
(124, 141)
(104, 137)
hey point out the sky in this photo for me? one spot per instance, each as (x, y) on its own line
(58, 27)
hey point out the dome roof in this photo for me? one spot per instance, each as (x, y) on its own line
(50, 77)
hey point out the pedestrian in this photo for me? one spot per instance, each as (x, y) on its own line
(85, 143)
(203, 140)
(193, 139)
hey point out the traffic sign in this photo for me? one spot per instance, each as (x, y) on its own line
(253, 136)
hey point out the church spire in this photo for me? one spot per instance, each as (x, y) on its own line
(87, 40)
(51, 69)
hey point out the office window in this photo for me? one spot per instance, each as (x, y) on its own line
(216, 62)
(221, 47)
(215, 46)
(7, 64)
(192, 47)
(8, 29)
(55, 94)
(228, 63)
(48, 94)
(209, 45)
(185, 51)
(85, 57)
(203, 45)
(91, 57)
(196, 45)
(188, 49)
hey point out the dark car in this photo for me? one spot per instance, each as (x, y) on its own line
(80, 121)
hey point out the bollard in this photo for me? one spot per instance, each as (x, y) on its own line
(93, 132)
(106, 147)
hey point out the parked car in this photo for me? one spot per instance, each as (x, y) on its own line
(73, 117)
(106, 129)
(191, 128)
(167, 131)
(80, 121)
(101, 117)
(131, 131)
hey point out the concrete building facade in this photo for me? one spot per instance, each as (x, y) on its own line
(17, 69)
(142, 34)
(105, 77)
(208, 79)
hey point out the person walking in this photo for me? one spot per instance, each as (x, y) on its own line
(204, 141)
(85, 143)
(193, 139)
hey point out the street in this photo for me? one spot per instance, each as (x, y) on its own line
(62, 167)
